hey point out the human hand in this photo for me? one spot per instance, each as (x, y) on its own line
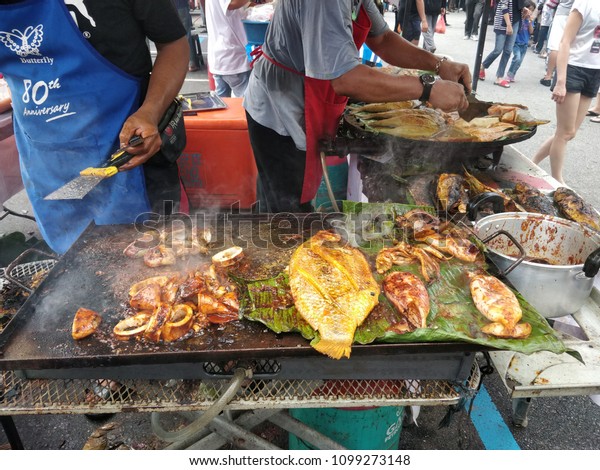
(139, 124)
(456, 72)
(424, 26)
(448, 96)
(509, 30)
(559, 92)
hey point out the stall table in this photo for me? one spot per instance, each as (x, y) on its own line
(250, 388)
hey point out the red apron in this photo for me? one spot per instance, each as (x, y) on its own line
(322, 112)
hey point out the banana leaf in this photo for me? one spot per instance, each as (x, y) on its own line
(453, 316)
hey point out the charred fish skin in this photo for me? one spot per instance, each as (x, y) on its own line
(333, 289)
(574, 208)
(409, 296)
(451, 193)
(533, 200)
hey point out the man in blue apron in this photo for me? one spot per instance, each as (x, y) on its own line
(79, 73)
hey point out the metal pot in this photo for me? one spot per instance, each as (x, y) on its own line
(555, 266)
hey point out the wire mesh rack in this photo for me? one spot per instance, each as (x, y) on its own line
(77, 396)
(24, 278)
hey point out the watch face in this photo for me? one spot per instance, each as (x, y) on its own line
(428, 79)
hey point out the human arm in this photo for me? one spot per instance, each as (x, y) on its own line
(368, 84)
(168, 74)
(421, 11)
(574, 22)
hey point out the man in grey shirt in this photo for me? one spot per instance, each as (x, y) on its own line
(310, 66)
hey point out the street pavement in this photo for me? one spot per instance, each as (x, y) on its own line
(554, 423)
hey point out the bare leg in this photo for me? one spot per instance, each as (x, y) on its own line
(596, 108)
(569, 116)
(543, 152)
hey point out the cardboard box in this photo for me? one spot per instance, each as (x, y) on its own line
(217, 165)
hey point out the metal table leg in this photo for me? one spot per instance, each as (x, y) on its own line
(11, 433)
(520, 409)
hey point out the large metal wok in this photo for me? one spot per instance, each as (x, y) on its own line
(412, 156)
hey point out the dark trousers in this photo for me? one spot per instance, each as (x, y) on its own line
(474, 9)
(542, 36)
(162, 184)
(280, 170)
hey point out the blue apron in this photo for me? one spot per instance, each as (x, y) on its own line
(69, 106)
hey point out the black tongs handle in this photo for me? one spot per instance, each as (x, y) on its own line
(120, 157)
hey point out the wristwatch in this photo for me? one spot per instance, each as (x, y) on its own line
(427, 80)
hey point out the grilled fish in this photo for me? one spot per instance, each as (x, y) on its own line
(333, 289)
(532, 199)
(380, 107)
(410, 297)
(451, 193)
(410, 124)
(573, 207)
(498, 304)
(477, 187)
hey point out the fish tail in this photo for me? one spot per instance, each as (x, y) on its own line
(332, 348)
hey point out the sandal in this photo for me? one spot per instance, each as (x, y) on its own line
(595, 119)
(503, 84)
(482, 75)
(546, 81)
(592, 113)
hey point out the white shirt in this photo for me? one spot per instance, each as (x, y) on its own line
(585, 48)
(226, 38)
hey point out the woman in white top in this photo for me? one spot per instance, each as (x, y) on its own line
(577, 82)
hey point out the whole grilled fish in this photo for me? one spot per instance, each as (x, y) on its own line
(451, 193)
(532, 199)
(333, 289)
(573, 207)
(477, 187)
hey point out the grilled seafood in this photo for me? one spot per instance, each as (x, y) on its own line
(170, 306)
(403, 254)
(532, 199)
(163, 247)
(515, 114)
(451, 193)
(146, 294)
(159, 256)
(419, 222)
(85, 323)
(573, 207)
(477, 187)
(333, 290)
(380, 107)
(410, 297)
(179, 323)
(498, 304)
(132, 326)
(453, 243)
(409, 124)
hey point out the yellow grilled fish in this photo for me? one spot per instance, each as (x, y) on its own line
(333, 289)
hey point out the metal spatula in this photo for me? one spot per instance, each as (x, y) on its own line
(89, 178)
(477, 108)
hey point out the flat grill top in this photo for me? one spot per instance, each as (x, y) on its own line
(95, 274)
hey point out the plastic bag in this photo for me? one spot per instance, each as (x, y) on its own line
(440, 26)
